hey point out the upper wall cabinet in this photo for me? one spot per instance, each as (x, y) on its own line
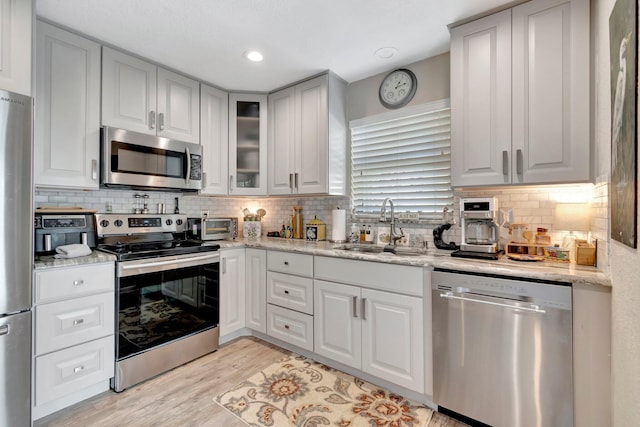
(520, 96)
(67, 125)
(141, 97)
(16, 17)
(214, 138)
(247, 144)
(307, 138)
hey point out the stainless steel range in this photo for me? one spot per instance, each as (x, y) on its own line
(167, 294)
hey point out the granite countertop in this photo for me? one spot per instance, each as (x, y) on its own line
(541, 270)
(46, 262)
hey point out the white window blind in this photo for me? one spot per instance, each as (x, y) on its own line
(404, 155)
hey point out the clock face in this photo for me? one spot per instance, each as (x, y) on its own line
(398, 88)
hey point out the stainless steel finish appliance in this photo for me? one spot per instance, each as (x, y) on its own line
(212, 228)
(502, 349)
(16, 112)
(167, 294)
(479, 231)
(53, 229)
(136, 160)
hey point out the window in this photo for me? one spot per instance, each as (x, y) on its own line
(404, 155)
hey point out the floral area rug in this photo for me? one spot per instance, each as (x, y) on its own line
(297, 391)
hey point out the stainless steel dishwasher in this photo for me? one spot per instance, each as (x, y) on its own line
(502, 350)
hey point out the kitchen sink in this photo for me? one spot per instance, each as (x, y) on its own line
(400, 251)
(362, 248)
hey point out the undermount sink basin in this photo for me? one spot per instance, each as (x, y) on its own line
(400, 251)
(363, 249)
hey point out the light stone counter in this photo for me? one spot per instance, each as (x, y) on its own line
(547, 270)
(46, 262)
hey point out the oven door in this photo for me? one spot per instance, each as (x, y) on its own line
(134, 159)
(164, 299)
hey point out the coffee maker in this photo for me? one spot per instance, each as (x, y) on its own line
(479, 231)
(53, 229)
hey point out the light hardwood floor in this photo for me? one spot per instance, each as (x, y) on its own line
(185, 395)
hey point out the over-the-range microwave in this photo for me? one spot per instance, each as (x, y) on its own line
(136, 160)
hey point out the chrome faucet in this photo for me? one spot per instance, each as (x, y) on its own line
(393, 234)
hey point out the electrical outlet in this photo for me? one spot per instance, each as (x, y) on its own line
(204, 213)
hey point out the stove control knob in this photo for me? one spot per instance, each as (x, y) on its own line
(118, 223)
(104, 223)
(169, 222)
(178, 222)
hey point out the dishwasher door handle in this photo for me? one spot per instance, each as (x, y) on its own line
(534, 308)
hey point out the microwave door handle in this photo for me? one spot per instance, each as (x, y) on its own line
(188, 154)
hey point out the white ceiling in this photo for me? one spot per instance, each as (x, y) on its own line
(207, 38)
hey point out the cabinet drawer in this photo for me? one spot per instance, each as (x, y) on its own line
(289, 291)
(290, 326)
(67, 323)
(74, 368)
(63, 283)
(395, 278)
(287, 262)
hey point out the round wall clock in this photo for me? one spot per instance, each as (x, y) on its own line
(398, 88)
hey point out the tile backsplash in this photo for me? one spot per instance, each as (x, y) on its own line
(533, 205)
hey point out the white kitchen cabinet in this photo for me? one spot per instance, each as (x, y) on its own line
(256, 281)
(16, 17)
(139, 96)
(365, 321)
(67, 125)
(73, 354)
(520, 111)
(214, 139)
(307, 138)
(232, 290)
(247, 144)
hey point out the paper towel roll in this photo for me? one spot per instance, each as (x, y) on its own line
(338, 225)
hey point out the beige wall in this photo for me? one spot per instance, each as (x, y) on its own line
(433, 85)
(624, 261)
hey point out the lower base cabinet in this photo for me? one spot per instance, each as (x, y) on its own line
(232, 290)
(290, 326)
(377, 332)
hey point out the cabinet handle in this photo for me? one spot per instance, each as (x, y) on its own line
(355, 306)
(78, 282)
(291, 181)
(286, 263)
(78, 369)
(505, 163)
(161, 121)
(296, 179)
(286, 326)
(4, 330)
(364, 306)
(94, 169)
(78, 321)
(152, 119)
(519, 161)
(230, 183)
(286, 292)
(224, 266)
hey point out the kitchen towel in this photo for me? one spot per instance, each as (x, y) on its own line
(72, 251)
(338, 225)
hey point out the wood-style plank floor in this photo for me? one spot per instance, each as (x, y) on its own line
(185, 395)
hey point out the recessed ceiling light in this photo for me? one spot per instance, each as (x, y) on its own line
(385, 52)
(253, 55)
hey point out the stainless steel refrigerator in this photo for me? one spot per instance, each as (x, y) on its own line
(16, 258)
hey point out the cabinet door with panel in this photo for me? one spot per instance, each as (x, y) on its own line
(141, 97)
(256, 281)
(128, 92)
(16, 17)
(214, 138)
(247, 144)
(481, 101)
(67, 132)
(307, 138)
(232, 290)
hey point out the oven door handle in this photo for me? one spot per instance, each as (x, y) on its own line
(170, 264)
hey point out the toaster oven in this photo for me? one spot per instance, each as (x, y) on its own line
(212, 228)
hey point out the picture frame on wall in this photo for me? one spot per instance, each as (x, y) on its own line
(624, 142)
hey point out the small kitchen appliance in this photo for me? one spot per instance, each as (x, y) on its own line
(53, 229)
(479, 231)
(167, 294)
(212, 228)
